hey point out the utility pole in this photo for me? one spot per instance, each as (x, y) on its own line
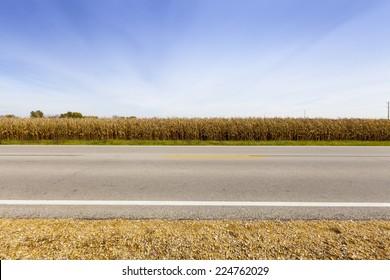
(388, 110)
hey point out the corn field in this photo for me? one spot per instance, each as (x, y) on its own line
(218, 129)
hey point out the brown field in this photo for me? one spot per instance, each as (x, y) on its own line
(214, 129)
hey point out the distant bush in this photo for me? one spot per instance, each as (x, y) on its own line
(8, 116)
(73, 115)
(36, 114)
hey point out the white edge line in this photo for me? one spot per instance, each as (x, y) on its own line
(188, 203)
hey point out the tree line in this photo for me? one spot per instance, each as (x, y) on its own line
(69, 114)
(74, 115)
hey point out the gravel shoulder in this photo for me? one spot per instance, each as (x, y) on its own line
(56, 239)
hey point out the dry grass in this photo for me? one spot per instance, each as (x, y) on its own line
(164, 239)
(214, 129)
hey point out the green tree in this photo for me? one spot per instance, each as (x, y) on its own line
(36, 114)
(71, 115)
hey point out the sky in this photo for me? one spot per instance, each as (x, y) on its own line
(196, 58)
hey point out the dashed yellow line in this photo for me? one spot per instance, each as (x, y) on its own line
(212, 157)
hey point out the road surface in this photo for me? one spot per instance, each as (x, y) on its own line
(190, 182)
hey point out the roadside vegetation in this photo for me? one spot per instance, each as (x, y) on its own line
(186, 130)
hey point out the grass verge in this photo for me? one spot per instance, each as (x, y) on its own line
(193, 239)
(195, 143)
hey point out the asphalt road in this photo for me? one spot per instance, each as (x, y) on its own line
(189, 182)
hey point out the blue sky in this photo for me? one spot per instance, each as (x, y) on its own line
(196, 58)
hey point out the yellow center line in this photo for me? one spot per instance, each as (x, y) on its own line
(212, 156)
